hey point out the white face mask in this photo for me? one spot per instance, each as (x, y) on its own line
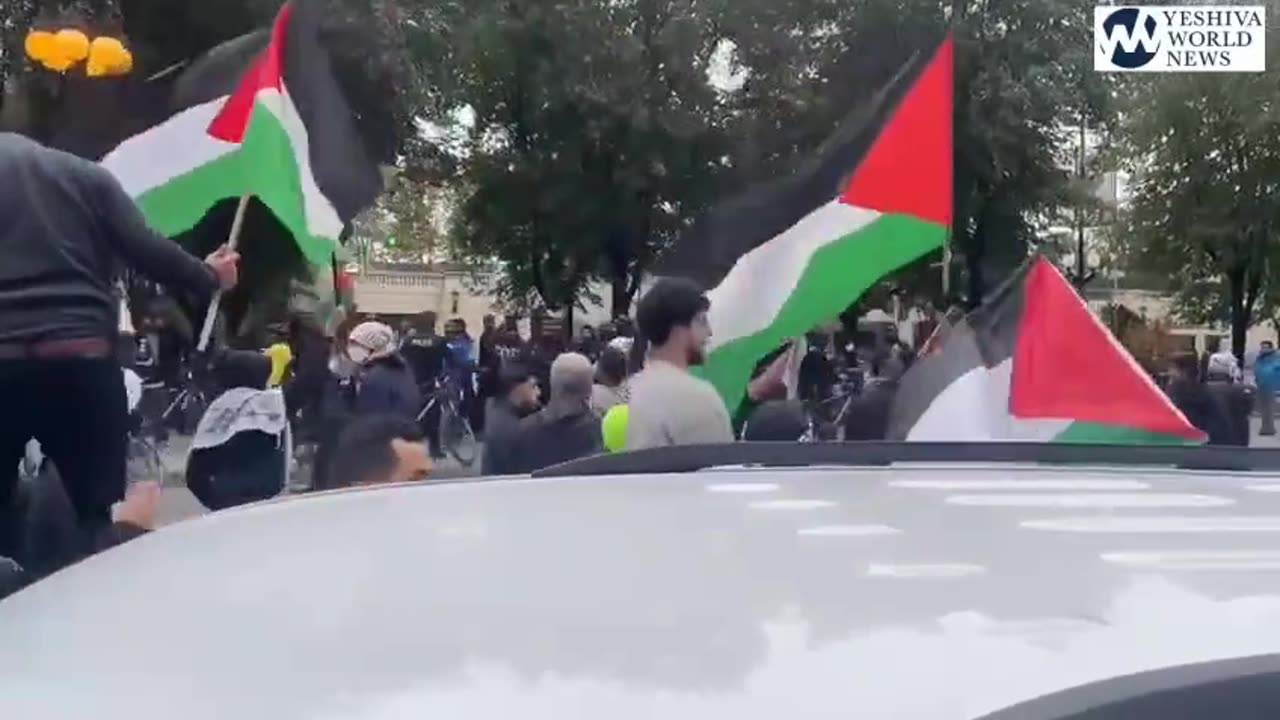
(341, 366)
(358, 354)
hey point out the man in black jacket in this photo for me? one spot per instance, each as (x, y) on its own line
(517, 398)
(1203, 407)
(565, 429)
(427, 354)
(868, 416)
(66, 226)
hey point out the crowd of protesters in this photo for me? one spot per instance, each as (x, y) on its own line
(359, 395)
(364, 394)
(1210, 391)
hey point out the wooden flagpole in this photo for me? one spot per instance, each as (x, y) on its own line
(233, 239)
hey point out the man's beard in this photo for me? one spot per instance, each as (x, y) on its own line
(695, 356)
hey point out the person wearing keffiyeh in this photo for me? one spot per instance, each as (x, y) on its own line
(242, 446)
(384, 384)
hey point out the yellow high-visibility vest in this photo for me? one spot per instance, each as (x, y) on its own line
(280, 356)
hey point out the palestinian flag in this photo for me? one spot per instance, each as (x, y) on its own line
(263, 115)
(792, 254)
(1034, 364)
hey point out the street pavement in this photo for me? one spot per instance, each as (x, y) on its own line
(1263, 441)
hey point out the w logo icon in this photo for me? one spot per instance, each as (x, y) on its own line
(1126, 37)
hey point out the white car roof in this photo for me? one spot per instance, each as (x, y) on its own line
(898, 592)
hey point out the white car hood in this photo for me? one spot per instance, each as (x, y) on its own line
(889, 593)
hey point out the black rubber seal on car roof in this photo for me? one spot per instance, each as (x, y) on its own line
(689, 458)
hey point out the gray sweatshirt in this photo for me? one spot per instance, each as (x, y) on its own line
(671, 407)
(66, 226)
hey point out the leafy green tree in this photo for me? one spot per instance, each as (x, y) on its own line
(1205, 150)
(1023, 76)
(408, 224)
(89, 116)
(601, 128)
(15, 18)
(593, 133)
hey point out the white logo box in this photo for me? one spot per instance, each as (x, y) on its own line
(1179, 38)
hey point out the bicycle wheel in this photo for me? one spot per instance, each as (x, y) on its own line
(192, 410)
(144, 461)
(457, 437)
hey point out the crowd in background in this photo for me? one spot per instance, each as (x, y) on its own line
(360, 396)
(503, 378)
(1211, 391)
(527, 394)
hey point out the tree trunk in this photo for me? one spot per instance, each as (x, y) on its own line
(974, 256)
(620, 296)
(623, 291)
(1239, 310)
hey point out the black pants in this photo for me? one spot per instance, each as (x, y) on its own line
(430, 425)
(76, 408)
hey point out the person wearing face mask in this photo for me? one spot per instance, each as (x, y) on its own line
(384, 383)
(668, 405)
(369, 377)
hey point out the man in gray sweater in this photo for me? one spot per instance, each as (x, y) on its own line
(66, 230)
(668, 405)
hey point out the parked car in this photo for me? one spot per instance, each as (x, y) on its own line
(822, 585)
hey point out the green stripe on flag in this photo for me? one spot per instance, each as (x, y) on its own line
(264, 166)
(835, 276)
(1090, 433)
(177, 205)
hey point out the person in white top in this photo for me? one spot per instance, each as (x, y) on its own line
(610, 387)
(669, 406)
(1223, 365)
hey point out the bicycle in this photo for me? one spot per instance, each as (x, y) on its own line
(456, 435)
(142, 459)
(823, 426)
(188, 403)
(149, 433)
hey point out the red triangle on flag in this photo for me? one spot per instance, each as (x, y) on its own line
(1067, 365)
(265, 72)
(908, 167)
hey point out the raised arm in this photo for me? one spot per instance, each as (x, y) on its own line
(155, 256)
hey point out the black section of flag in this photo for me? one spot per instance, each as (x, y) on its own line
(997, 320)
(340, 162)
(217, 73)
(708, 250)
(96, 113)
(985, 338)
(958, 354)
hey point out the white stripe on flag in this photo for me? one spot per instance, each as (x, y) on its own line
(758, 286)
(322, 217)
(975, 408)
(171, 149)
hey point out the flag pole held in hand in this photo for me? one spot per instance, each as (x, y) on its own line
(233, 239)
